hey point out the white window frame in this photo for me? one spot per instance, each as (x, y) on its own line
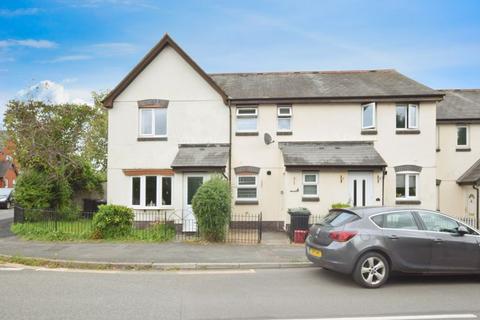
(408, 124)
(374, 120)
(247, 186)
(467, 129)
(143, 186)
(152, 134)
(284, 116)
(254, 115)
(309, 183)
(406, 175)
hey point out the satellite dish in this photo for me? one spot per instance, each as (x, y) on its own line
(267, 138)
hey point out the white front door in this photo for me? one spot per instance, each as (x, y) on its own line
(191, 184)
(361, 188)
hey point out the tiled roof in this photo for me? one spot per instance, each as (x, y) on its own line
(472, 175)
(201, 156)
(459, 104)
(331, 154)
(336, 84)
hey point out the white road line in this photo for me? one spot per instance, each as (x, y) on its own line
(411, 317)
(10, 269)
(201, 272)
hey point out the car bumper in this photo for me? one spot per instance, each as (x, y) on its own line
(336, 256)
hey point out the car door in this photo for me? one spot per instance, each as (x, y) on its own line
(451, 251)
(408, 246)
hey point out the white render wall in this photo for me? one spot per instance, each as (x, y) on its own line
(454, 199)
(333, 122)
(196, 114)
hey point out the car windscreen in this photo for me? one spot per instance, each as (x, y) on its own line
(339, 218)
(5, 191)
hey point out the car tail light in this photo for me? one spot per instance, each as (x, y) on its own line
(342, 236)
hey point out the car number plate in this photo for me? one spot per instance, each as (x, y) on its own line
(315, 252)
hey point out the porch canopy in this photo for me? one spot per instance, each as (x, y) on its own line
(331, 154)
(203, 157)
(471, 176)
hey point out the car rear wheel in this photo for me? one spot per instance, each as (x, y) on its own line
(371, 271)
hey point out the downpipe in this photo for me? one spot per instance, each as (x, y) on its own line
(477, 222)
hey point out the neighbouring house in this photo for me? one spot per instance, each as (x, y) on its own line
(284, 139)
(458, 152)
(8, 167)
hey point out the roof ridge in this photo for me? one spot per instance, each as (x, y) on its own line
(303, 72)
(460, 90)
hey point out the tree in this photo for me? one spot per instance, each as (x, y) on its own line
(66, 143)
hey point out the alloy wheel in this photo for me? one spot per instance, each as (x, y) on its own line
(373, 271)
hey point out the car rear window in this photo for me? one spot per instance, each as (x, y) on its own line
(339, 218)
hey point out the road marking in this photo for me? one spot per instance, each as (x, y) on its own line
(10, 269)
(201, 272)
(411, 317)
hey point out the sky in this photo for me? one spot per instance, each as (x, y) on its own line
(74, 47)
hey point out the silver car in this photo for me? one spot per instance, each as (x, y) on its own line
(371, 242)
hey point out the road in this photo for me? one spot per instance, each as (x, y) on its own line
(249, 294)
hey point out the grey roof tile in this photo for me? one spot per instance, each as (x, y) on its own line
(201, 155)
(472, 175)
(335, 84)
(331, 154)
(459, 104)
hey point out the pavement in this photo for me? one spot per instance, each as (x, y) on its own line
(277, 253)
(307, 293)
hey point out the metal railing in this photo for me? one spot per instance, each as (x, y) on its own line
(148, 224)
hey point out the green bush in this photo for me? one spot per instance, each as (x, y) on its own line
(112, 221)
(33, 190)
(340, 205)
(211, 206)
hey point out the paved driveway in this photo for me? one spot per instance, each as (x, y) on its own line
(6, 214)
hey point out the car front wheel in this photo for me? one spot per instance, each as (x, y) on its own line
(371, 271)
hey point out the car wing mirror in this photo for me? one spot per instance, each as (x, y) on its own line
(462, 230)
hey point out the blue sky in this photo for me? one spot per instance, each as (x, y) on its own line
(85, 45)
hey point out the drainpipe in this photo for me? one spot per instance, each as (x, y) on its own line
(384, 173)
(475, 186)
(230, 143)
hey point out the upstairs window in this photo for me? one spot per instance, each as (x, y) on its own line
(407, 116)
(310, 184)
(284, 118)
(153, 122)
(462, 136)
(369, 116)
(247, 188)
(247, 119)
(407, 186)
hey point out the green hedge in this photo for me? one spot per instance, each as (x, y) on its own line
(211, 206)
(112, 221)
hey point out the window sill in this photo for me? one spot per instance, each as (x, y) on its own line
(459, 149)
(140, 208)
(246, 202)
(246, 133)
(369, 131)
(152, 139)
(407, 131)
(407, 201)
(284, 133)
(310, 199)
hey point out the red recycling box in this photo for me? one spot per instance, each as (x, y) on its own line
(299, 236)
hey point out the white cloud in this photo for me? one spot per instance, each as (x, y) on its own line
(19, 12)
(55, 93)
(74, 57)
(31, 43)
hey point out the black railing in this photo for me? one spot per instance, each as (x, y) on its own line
(148, 224)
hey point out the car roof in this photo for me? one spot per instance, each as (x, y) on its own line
(369, 211)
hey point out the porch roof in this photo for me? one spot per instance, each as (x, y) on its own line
(472, 175)
(201, 156)
(331, 154)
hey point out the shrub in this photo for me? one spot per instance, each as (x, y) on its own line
(211, 206)
(340, 205)
(33, 190)
(112, 221)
